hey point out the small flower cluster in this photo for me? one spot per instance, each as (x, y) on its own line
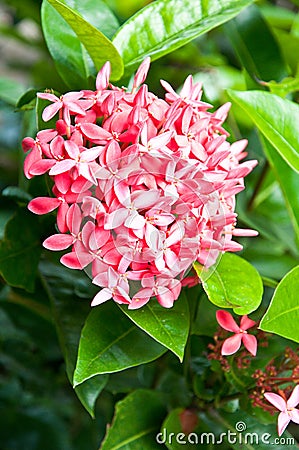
(224, 346)
(277, 373)
(275, 385)
(143, 186)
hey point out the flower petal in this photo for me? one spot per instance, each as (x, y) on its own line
(226, 321)
(294, 414)
(250, 343)
(246, 323)
(231, 345)
(58, 242)
(101, 297)
(283, 421)
(294, 398)
(43, 205)
(276, 401)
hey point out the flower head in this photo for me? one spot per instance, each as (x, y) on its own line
(288, 411)
(148, 183)
(232, 344)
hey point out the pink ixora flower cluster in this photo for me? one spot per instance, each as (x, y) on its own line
(143, 186)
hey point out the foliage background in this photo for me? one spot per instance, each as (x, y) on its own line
(36, 398)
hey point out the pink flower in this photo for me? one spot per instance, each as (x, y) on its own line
(288, 411)
(232, 344)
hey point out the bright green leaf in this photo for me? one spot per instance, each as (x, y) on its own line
(246, 32)
(20, 250)
(99, 47)
(233, 283)
(170, 327)
(284, 87)
(110, 343)
(276, 118)
(164, 26)
(282, 316)
(136, 422)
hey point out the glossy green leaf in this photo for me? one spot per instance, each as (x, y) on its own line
(246, 32)
(136, 422)
(66, 48)
(173, 424)
(276, 118)
(70, 313)
(289, 182)
(282, 316)
(170, 327)
(233, 283)
(110, 343)
(20, 250)
(164, 26)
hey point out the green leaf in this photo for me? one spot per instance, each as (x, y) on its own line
(70, 313)
(136, 422)
(164, 26)
(27, 100)
(169, 327)
(276, 118)
(233, 283)
(10, 90)
(20, 250)
(246, 32)
(285, 87)
(110, 343)
(173, 424)
(66, 49)
(89, 391)
(288, 180)
(39, 107)
(282, 316)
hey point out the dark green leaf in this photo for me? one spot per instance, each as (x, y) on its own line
(173, 424)
(164, 26)
(20, 250)
(276, 118)
(136, 422)
(247, 31)
(233, 283)
(170, 327)
(70, 313)
(205, 322)
(27, 100)
(16, 194)
(89, 391)
(282, 315)
(96, 43)
(110, 343)
(288, 180)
